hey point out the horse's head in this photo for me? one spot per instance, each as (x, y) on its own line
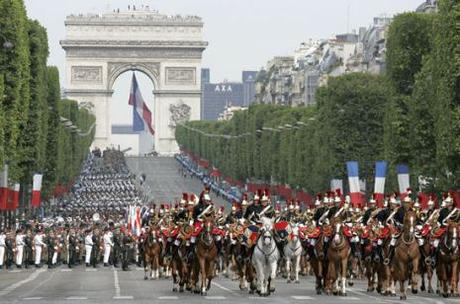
(266, 233)
(206, 234)
(409, 222)
(451, 235)
(295, 233)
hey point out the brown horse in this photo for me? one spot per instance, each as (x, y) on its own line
(318, 261)
(426, 265)
(206, 253)
(405, 264)
(180, 267)
(385, 282)
(152, 254)
(337, 255)
(447, 265)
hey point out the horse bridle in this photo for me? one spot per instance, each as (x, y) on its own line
(267, 255)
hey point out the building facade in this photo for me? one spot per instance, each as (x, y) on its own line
(218, 97)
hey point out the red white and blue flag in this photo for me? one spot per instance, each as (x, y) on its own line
(142, 117)
(403, 179)
(36, 189)
(379, 185)
(353, 181)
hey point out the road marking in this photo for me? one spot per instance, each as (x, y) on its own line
(90, 270)
(215, 298)
(12, 287)
(302, 298)
(15, 271)
(32, 298)
(76, 298)
(168, 298)
(123, 297)
(66, 270)
(223, 287)
(349, 298)
(116, 283)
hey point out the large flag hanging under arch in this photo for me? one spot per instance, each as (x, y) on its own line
(142, 117)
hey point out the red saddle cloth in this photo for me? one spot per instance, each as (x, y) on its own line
(426, 230)
(198, 226)
(218, 231)
(439, 232)
(346, 231)
(383, 233)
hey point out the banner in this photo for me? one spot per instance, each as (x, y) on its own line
(354, 183)
(4, 188)
(36, 190)
(403, 179)
(142, 117)
(379, 184)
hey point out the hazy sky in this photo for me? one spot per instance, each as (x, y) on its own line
(242, 34)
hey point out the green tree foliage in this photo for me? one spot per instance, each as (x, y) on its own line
(32, 142)
(409, 39)
(14, 65)
(446, 80)
(302, 147)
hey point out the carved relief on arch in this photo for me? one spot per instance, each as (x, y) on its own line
(115, 69)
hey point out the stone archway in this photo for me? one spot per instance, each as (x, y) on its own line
(168, 49)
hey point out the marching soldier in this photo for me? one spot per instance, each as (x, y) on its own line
(127, 245)
(108, 244)
(19, 247)
(2, 247)
(72, 248)
(88, 246)
(95, 250)
(50, 244)
(39, 244)
(116, 247)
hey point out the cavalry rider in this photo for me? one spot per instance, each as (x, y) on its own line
(253, 208)
(244, 205)
(398, 219)
(266, 207)
(447, 212)
(204, 207)
(369, 212)
(319, 209)
(235, 214)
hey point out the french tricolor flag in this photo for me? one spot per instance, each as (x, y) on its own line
(36, 189)
(142, 117)
(403, 179)
(353, 180)
(379, 185)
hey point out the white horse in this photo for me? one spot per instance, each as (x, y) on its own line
(265, 259)
(292, 253)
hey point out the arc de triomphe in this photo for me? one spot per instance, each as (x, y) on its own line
(168, 49)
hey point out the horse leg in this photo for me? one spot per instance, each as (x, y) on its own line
(272, 277)
(402, 290)
(344, 275)
(429, 275)
(454, 279)
(209, 272)
(203, 276)
(297, 268)
(415, 267)
(145, 271)
(288, 269)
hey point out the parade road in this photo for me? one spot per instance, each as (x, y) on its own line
(111, 285)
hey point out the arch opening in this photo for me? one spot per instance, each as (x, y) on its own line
(123, 134)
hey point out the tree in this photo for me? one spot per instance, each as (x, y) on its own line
(14, 65)
(409, 39)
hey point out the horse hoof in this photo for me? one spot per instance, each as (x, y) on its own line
(174, 289)
(403, 298)
(437, 291)
(272, 289)
(414, 291)
(393, 294)
(455, 295)
(297, 282)
(422, 288)
(335, 293)
(204, 293)
(289, 281)
(445, 295)
(343, 294)
(181, 289)
(351, 283)
(145, 278)
(251, 291)
(318, 292)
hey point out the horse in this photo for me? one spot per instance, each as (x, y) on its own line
(426, 265)
(385, 282)
(447, 265)
(206, 254)
(405, 264)
(292, 253)
(317, 257)
(180, 269)
(152, 253)
(265, 258)
(337, 255)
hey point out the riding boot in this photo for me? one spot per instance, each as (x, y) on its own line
(390, 255)
(326, 247)
(311, 252)
(434, 254)
(353, 249)
(280, 246)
